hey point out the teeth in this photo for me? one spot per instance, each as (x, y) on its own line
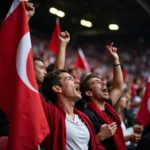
(104, 90)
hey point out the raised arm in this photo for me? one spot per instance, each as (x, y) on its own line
(117, 88)
(64, 39)
(30, 10)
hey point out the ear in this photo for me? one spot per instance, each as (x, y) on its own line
(57, 89)
(89, 93)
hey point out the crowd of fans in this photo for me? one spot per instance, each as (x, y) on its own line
(111, 95)
(135, 72)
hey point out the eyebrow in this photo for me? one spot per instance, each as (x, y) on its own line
(96, 80)
(40, 65)
(68, 77)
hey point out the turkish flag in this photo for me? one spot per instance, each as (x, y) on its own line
(54, 42)
(143, 116)
(81, 62)
(19, 96)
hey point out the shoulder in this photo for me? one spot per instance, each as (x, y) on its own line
(50, 109)
(91, 114)
(80, 113)
(84, 117)
(88, 111)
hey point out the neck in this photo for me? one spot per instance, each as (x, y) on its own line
(66, 105)
(99, 104)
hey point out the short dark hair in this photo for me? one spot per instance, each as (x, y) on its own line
(50, 68)
(36, 59)
(50, 80)
(84, 86)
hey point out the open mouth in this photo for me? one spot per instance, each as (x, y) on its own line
(78, 89)
(104, 90)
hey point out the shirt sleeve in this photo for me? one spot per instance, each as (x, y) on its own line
(126, 131)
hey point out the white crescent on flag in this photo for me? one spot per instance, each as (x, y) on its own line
(22, 52)
(18, 93)
(21, 60)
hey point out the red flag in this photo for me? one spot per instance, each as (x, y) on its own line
(143, 116)
(19, 97)
(54, 42)
(81, 61)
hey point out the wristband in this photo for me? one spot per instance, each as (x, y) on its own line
(115, 65)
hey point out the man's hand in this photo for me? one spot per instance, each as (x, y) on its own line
(106, 131)
(64, 38)
(134, 138)
(138, 128)
(113, 52)
(30, 10)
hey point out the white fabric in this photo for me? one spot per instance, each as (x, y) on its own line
(77, 134)
(136, 109)
(126, 131)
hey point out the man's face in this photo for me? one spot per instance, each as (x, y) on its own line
(98, 88)
(40, 71)
(70, 87)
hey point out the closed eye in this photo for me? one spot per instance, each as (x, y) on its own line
(97, 81)
(69, 78)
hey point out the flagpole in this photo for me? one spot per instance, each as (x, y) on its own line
(39, 147)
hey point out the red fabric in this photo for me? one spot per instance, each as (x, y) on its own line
(143, 116)
(3, 142)
(56, 140)
(133, 89)
(22, 106)
(54, 42)
(118, 136)
(81, 62)
(125, 73)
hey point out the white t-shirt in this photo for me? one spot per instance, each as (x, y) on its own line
(126, 131)
(77, 134)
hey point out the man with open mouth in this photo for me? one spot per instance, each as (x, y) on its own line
(99, 109)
